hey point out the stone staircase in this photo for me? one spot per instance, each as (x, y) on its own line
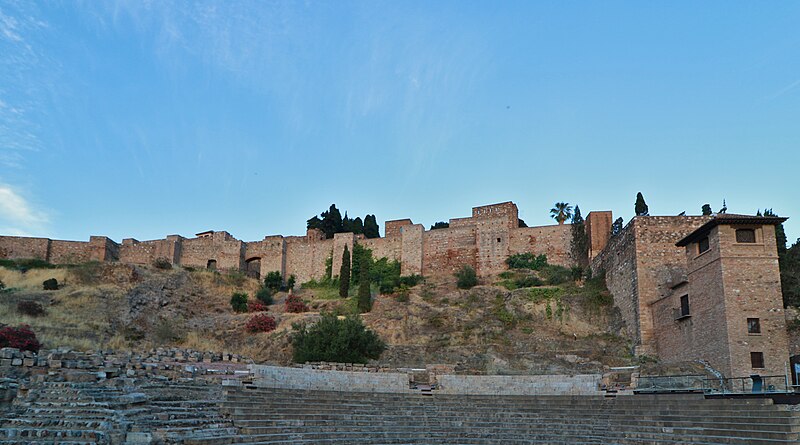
(119, 411)
(279, 416)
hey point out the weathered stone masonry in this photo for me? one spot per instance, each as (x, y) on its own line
(483, 240)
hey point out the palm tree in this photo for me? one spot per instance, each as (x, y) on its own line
(561, 212)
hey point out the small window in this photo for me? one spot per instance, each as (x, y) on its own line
(702, 245)
(498, 240)
(757, 360)
(685, 306)
(753, 326)
(745, 236)
(211, 265)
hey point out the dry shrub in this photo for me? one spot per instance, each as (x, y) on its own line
(31, 279)
(30, 308)
(198, 342)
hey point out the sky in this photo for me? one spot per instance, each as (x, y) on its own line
(147, 118)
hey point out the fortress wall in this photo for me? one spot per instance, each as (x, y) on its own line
(103, 248)
(413, 250)
(660, 264)
(444, 251)
(136, 252)
(305, 259)
(220, 246)
(16, 247)
(553, 241)
(492, 239)
(393, 228)
(69, 252)
(391, 248)
(618, 262)
(272, 253)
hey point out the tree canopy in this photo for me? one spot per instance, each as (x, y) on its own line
(331, 222)
(561, 212)
(641, 206)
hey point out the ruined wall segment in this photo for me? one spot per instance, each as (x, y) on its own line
(598, 227)
(18, 247)
(220, 247)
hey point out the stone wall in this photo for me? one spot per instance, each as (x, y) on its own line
(522, 385)
(483, 241)
(313, 379)
(641, 265)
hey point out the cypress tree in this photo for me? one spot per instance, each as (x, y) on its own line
(344, 274)
(364, 294)
(641, 206)
(617, 226)
(706, 210)
(580, 240)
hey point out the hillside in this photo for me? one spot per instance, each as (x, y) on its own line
(489, 328)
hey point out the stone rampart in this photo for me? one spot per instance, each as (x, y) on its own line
(483, 241)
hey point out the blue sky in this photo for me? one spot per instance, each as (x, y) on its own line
(143, 119)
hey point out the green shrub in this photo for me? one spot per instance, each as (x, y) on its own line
(162, 263)
(528, 281)
(273, 281)
(466, 277)
(50, 284)
(239, 302)
(526, 261)
(507, 275)
(502, 313)
(264, 295)
(539, 294)
(335, 340)
(2, 285)
(555, 275)
(291, 281)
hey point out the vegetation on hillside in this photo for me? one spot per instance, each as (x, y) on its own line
(332, 339)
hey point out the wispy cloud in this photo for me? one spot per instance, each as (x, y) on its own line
(17, 215)
(784, 90)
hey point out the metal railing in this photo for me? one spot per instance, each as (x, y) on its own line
(768, 384)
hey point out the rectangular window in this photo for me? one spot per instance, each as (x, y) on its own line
(753, 326)
(684, 306)
(702, 245)
(745, 236)
(757, 360)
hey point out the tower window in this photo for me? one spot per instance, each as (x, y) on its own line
(753, 326)
(498, 240)
(745, 236)
(757, 360)
(702, 245)
(684, 305)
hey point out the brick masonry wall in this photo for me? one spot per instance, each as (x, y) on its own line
(618, 263)
(598, 227)
(305, 259)
(15, 247)
(220, 246)
(69, 252)
(444, 251)
(553, 241)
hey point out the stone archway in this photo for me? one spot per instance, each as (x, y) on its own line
(253, 267)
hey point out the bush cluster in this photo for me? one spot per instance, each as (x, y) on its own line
(335, 340)
(466, 277)
(257, 306)
(526, 261)
(30, 308)
(162, 263)
(239, 302)
(264, 295)
(295, 305)
(2, 285)
(261, 323)
(21, 337)
(50, 284)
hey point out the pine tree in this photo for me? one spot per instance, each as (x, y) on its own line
(371, 229)
(707, 210)
(364, 294)
(344, 274)
(641, 206)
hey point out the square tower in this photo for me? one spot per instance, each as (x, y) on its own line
(730, 310)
